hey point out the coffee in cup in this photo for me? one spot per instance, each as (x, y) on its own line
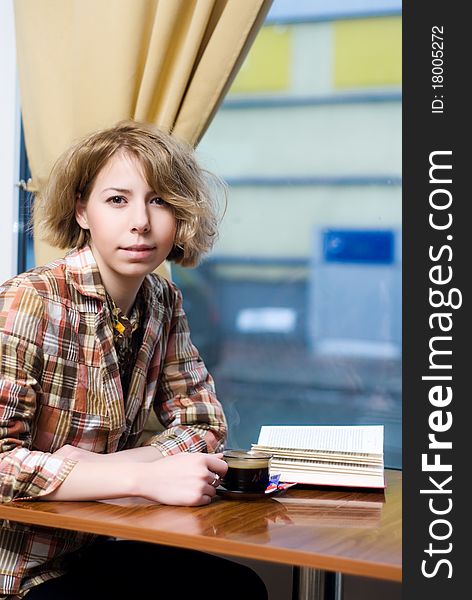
(248, 471)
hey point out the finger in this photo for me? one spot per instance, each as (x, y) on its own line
(217, 465)
(200, 500)
(214, 479)
(209, 491)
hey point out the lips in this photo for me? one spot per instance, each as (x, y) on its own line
(138, 252)
(139, 248)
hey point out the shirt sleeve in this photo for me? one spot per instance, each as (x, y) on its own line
(186, 402)
(24, 473)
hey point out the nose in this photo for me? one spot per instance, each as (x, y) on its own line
(140, 218)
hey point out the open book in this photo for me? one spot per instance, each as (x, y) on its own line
(345, 455)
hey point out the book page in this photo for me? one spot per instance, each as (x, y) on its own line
(360, 439)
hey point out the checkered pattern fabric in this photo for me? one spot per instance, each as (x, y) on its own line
(60, 384)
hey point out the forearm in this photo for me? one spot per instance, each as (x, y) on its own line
(97, 481)
(141, 455)
(99, 476)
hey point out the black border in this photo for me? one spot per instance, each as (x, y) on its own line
(423, 133)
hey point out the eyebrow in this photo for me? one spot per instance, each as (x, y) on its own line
(114, 189)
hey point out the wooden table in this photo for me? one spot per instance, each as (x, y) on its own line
(314, 530)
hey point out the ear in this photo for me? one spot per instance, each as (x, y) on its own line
(81, 212)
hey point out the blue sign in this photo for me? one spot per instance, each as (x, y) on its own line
(358, 246)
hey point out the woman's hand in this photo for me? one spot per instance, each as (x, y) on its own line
(185, 479)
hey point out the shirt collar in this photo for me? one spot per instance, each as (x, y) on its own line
(83, 270)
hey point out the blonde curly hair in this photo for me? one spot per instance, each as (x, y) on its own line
(170, 167)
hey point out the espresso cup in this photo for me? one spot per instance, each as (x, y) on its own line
(248, 471)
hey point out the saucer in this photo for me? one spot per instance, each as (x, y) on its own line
(236, 495)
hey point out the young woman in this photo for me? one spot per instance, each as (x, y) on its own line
(90, 344)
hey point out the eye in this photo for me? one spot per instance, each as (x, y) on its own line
(158, 201)
(116, 200)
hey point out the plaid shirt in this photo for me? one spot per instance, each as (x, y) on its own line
(60, 384)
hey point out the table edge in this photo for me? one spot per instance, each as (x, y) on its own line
(227, 547)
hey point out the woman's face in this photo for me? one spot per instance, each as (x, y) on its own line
(132, 229)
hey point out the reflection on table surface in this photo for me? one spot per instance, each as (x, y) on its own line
(357, 532)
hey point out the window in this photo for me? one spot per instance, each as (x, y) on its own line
(306, 275)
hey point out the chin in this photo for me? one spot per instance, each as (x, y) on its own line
(137, 269)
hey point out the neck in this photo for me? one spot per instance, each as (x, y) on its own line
(123, 290)
(124, 299)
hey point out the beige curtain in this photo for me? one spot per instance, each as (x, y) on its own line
(86, 64)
